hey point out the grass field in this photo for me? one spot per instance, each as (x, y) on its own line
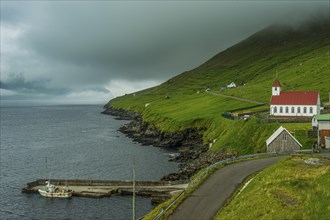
(290, 189)
(300, 59)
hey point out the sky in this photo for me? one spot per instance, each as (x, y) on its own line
(87, 52)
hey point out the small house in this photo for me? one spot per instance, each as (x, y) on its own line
(231, 85)
(282, 141)
(246, 117)
(322, 125)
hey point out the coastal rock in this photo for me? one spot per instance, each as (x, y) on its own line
(193, 158)
(120, 114)
(146, 134)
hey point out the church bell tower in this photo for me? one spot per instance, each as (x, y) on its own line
(276, 88)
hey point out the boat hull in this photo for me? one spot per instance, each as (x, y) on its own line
(55, 194)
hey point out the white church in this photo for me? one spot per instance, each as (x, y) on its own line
(294, 103)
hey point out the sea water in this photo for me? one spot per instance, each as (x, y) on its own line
(79, 143)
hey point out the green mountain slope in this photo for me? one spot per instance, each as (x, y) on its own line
(299, 57)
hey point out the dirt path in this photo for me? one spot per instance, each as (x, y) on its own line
(205, 201)
(233, 97)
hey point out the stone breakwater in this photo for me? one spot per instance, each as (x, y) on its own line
(192, 154)
(159, 191)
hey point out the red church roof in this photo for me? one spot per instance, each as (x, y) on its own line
(295, 98)
(277, 83)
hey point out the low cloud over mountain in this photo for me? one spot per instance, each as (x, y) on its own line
(78, 50)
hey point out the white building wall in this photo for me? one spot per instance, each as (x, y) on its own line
(295, 113)
(231, 85)
(324, 125)
(276, 90)
(314, 122)
(327, 142)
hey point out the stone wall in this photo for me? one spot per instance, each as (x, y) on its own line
(71, 182)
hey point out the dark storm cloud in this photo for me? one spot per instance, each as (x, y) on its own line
(12, 13)
(80, 44)
(17, 82)
(141, 39)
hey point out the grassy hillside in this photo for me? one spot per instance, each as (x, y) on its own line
(300, 56)
(290, 189)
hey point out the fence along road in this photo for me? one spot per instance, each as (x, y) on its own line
(209, 197)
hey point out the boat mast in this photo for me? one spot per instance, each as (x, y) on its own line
(46, 169)
(133, 189)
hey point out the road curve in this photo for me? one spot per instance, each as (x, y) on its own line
(209, 197)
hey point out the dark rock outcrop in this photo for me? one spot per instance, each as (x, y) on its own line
(120, 114)
(146, 134)
(194, 160)
(192, 154)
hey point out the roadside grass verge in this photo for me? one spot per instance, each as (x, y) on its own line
(289, 189)
(151, 215)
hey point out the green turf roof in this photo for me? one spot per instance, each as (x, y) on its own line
(325, 117)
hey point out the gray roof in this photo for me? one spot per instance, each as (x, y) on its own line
(277, 133)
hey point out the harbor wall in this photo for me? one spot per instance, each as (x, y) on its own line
(79, 182)
(158, 190)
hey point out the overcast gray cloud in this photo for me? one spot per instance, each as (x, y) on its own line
(78, 49)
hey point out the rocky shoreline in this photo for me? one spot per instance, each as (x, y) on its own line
(192, 154)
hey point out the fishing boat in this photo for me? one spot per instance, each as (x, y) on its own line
(54, 192)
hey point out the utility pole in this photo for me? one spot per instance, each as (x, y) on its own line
(133, 189)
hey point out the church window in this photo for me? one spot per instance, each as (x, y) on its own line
(281, 109)
(305, 110)
(286, 109)
(292, 109)
(311, 110)
(275, 109)
(298, 110)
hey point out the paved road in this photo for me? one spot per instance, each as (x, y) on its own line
(209, 197)
(237, 98)
(325, 153)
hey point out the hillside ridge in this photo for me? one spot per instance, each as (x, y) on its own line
(299, 57)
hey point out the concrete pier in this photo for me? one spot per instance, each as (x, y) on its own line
(159, 190)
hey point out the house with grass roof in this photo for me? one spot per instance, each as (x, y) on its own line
(294, 103)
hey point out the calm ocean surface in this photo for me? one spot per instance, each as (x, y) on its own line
(80, 143)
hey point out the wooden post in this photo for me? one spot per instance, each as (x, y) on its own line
(133, 189)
